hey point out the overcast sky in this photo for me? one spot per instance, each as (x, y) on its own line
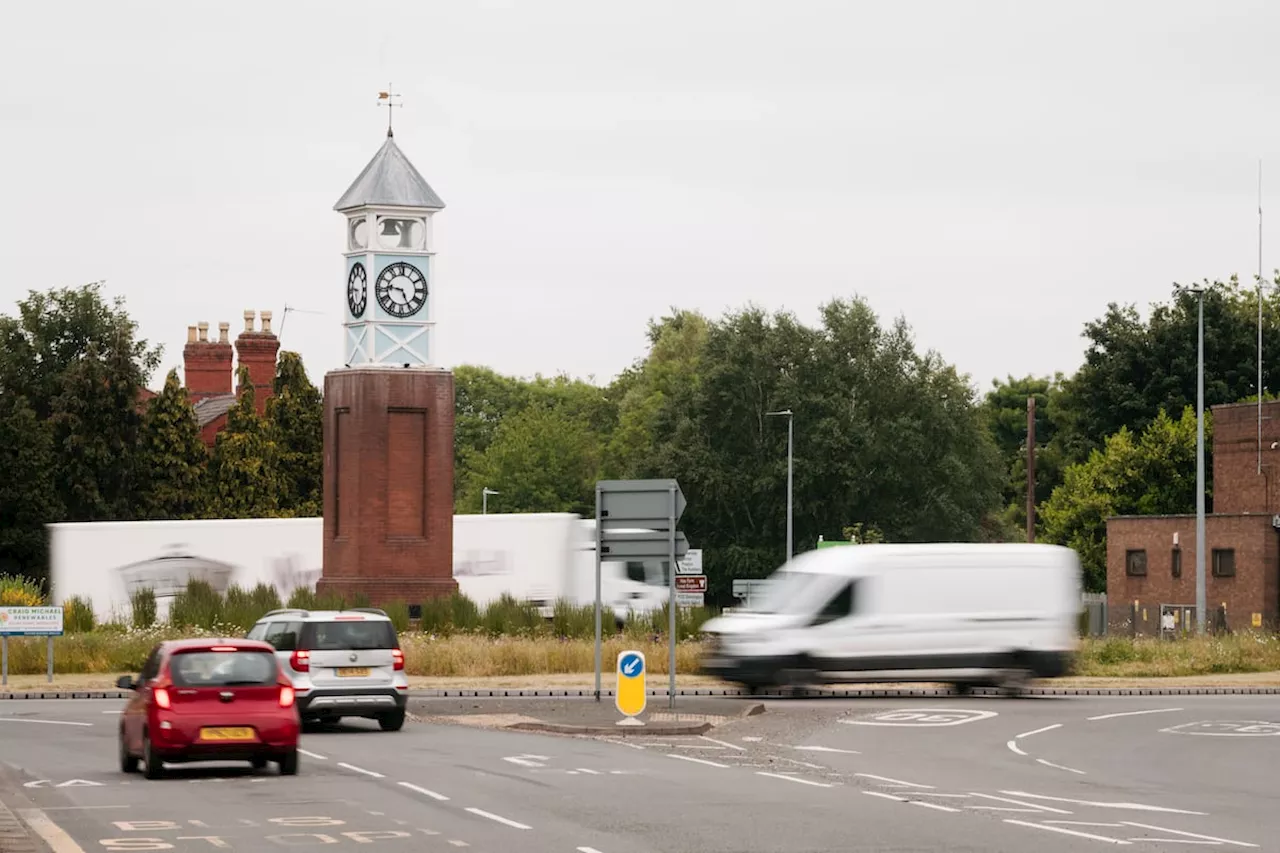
(996, 172)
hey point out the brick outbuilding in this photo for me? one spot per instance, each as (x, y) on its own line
(1151, 559)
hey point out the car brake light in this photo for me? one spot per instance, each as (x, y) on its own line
(162, 698)
(300, 661)
(397, 658)
(286, 697)
(222, 648)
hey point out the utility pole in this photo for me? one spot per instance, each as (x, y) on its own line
(1031, 469)
(1200, 580)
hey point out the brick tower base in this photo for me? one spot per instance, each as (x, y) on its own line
(388, 484)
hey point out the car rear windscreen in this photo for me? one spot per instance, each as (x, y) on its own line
(354, 635)
(246, 668)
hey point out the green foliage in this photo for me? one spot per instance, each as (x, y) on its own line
(398, 613)
(28, 489)
(576, 621)
(197, 606)
(296, 418)
(1153, 473)
(239, 610)
(446, 615)
(77, 615)
(863, 535)
(303, 598)
(505, 615)
(265, 599)
(1005, 413)
(143, 607)
(172, 458)
(19, 591)
(542, 459)
(245, 477)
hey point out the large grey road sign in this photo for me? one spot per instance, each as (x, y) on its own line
(639, 503)
(646, 545)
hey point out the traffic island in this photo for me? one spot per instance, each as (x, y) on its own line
(583, 716)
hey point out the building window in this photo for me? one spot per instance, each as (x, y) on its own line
(1224, 562)
(1135, 563)
(1175, 563)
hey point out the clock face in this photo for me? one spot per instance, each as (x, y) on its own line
(402, 290)
(357, 290)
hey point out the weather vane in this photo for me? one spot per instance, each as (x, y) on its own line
(386, 99)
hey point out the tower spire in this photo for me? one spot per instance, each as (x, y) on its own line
(387, 99)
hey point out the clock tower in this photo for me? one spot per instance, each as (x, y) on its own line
(389, 413)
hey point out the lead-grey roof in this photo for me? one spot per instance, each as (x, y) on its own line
(392, 180)
(209, 409)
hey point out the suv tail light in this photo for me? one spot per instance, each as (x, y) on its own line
(162, 698)
(397, 659)
(286, 697)
(300, 661)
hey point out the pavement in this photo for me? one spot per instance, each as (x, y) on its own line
(997, 775)
(692, 716)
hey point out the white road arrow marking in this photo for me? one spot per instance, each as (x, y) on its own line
(1134, 806)
(527, 760)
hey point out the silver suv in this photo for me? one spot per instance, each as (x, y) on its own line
(343, 663)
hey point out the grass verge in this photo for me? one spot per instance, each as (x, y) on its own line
(465, 658)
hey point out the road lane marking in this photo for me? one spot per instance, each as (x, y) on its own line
(588, 850)
(1064, 831)
(456, 843)
(588, 771)
(52, 834)
(1039, 731)
(1060, 767)
(43, 722)
(352, 767)
(1014, 746)
(1208, 838)
(895, 781)
(885, 796)
(698, 760)
(498, 818)
(317, 756)
(794, 779)
(1134, 806)
(724, 743)
(1135, 713)
(827, 749)
(1031, 806)
(425, 791)
(937, 806)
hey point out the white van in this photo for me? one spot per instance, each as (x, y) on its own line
(965, 614)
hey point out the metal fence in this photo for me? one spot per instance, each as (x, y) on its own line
(1093, 616)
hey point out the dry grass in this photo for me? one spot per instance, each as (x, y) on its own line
(466, 660)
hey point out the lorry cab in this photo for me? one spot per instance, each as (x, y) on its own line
(965, 614)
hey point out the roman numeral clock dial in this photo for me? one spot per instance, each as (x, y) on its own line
(357, 290)
(402, 290)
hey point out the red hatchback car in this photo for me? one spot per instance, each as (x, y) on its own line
(209, 700)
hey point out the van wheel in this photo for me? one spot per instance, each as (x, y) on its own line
(962, 688)
(1014, 681)
(794, 680)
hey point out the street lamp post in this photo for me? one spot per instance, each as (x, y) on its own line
(484, 499)
(1200, 580)
(790, 447)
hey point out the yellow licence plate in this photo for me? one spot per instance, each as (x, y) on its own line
(232, 734)
(353, 672)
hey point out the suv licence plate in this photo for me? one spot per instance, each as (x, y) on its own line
(353, 672)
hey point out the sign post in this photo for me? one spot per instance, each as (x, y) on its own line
(636, 520)
(28, 622)
(630, 694)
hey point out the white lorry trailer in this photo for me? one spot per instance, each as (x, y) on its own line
(535, 557)
(964, 614)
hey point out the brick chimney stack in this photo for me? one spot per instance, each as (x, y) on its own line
(206, 364)
(257, 350)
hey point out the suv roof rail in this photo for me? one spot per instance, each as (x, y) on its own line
(374, 610)
(301, 610)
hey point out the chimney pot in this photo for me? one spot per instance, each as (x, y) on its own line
(266, 321)
(224, 333)
(248, 321)
(204, 331)
(191, 334)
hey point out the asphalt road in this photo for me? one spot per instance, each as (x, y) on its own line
(983, 774)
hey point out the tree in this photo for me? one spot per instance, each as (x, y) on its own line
(28, 494)
(244, 472)
(172, 459)
(1005, 412)
(77, 362)
(482, 398)
(1132, 474)
(885, 437)
(544, 458)
(1133, 369)
(295, 415)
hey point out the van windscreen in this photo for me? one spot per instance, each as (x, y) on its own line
(784, 590)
